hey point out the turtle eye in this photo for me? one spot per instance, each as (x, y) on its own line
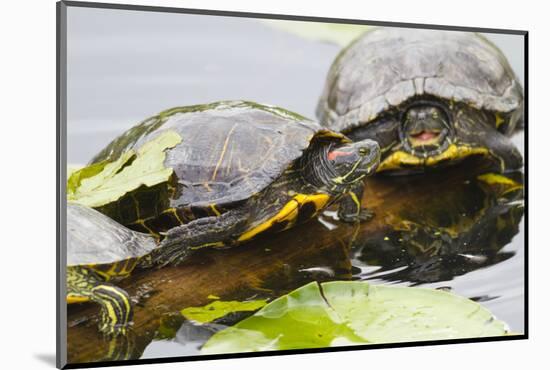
(364, 151)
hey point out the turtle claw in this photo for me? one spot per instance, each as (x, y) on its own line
(177, 259)
(363, 215)
(170, 256)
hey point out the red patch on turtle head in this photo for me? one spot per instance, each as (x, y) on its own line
(332, 155)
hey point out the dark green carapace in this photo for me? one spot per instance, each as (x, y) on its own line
(429, 98)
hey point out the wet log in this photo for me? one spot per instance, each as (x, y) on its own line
(265, 268)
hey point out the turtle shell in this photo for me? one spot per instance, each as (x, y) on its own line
(229, 151)
(388, 66)
(93, 238)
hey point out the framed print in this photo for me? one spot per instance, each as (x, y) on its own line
(238, 184)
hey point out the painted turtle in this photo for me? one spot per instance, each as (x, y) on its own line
(100, 251)
(240, 169)
(429, 98)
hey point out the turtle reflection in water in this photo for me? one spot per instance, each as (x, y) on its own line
(429, 98)
(448, 226)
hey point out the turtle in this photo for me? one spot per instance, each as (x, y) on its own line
(429, 98)
(99, 252)
(241, 170)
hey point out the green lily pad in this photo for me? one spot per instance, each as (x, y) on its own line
(344, 313)
(217, 309)
(72, 168)
(105, 182)
(336, 33)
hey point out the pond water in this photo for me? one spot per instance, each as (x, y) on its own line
(459, 234)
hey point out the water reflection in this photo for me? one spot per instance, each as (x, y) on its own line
(428, 229)
(448, 226)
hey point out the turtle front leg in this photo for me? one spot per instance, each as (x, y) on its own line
(116, 309)
(350, 209)
(215, 231)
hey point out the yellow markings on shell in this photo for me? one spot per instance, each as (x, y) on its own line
(72, 298)
(106, 275)
(402, 159)
(175, 212)
(149, 230)
(112, 270)
(215, 210)
(320, 200)
(223, 152)
(332, 134)
(289, 213)
(229, 167)
(129, 266)
(136, 205)
(497, 179)
(126, 268)
(164, 114)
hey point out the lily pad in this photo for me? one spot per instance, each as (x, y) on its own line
(72, 168)
(217, 309)
(104, 182)
(335, 33)
(343, 313)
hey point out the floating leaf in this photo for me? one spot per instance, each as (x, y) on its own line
(168, 326)
(75, 177)
(397, 314)
(217, 309)
(102, 183)
(336, 33)
(343, 313)
(72, 168)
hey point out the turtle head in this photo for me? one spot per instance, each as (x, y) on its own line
(425, 127)
(351, 162)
